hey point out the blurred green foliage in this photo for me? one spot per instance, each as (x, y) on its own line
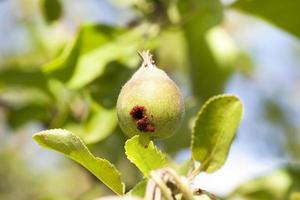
(279, 13)
(280, 184)
(75, 86)
(19, 181)
(200, 16)
(52, 10)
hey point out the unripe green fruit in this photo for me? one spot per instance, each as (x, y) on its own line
(150, 103)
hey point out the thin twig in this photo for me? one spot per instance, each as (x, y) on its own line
(164, 189)
(157, 194)
(150, 190)
(182, 185)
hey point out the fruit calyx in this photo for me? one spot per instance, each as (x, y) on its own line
(147, 58)
(138, 113)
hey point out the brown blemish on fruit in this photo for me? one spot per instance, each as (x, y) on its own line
(138, 113)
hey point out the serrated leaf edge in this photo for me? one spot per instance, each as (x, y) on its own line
(163, 156)
(210, 100)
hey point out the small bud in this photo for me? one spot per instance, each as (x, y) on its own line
(150, 102)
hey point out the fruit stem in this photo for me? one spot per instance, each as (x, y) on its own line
(147, 58)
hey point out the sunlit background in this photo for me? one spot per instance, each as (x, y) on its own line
(264, 71)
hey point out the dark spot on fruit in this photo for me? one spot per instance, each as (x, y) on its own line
(150, 127)
(138, 113)
(142, 124)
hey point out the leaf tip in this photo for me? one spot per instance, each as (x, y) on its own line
(38, 137)
(231, 98)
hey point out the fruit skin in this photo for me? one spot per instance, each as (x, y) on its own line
(150, 103)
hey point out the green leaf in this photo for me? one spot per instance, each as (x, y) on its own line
(93, 50)
(284, 14)
(62, 67)
(33, 78)
(88, 38)
(139, 189)
(144, 154)
(96, 35)
(202, 66)
(214, 131)
(202, 15)
(71, 145)
(93, 64)
(295, 196)
(52, 10)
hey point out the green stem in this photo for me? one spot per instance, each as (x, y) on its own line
(194, 173)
